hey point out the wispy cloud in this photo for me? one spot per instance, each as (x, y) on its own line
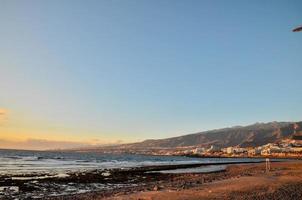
(3, 115)
(3, 112)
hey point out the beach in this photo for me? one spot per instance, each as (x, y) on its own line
(72, 175)
(243, 181)
(86, 176)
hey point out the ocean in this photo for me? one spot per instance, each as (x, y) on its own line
(27, 162)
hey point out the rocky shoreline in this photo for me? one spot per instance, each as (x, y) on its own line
(237, 182)
(44, 185)
(96, 184)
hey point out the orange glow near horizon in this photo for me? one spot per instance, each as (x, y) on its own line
(18, 132)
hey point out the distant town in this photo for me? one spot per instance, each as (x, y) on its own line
(287, 148)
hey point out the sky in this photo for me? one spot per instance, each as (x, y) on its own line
(76, 73)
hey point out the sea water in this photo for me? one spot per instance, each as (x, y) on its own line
(27, 162)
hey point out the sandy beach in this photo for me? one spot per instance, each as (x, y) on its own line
(245, 181)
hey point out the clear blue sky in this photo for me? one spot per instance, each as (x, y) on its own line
(139, 69)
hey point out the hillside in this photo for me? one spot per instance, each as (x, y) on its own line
(244, 136)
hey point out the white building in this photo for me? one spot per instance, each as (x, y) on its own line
(213, 149)
(229, 150)
(199, 150)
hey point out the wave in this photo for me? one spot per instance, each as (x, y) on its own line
(32, 161)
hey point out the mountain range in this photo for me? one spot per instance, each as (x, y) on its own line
(244, 136)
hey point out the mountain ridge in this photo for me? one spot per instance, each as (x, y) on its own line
(256, 134)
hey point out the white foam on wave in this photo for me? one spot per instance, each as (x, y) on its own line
(60, 175)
